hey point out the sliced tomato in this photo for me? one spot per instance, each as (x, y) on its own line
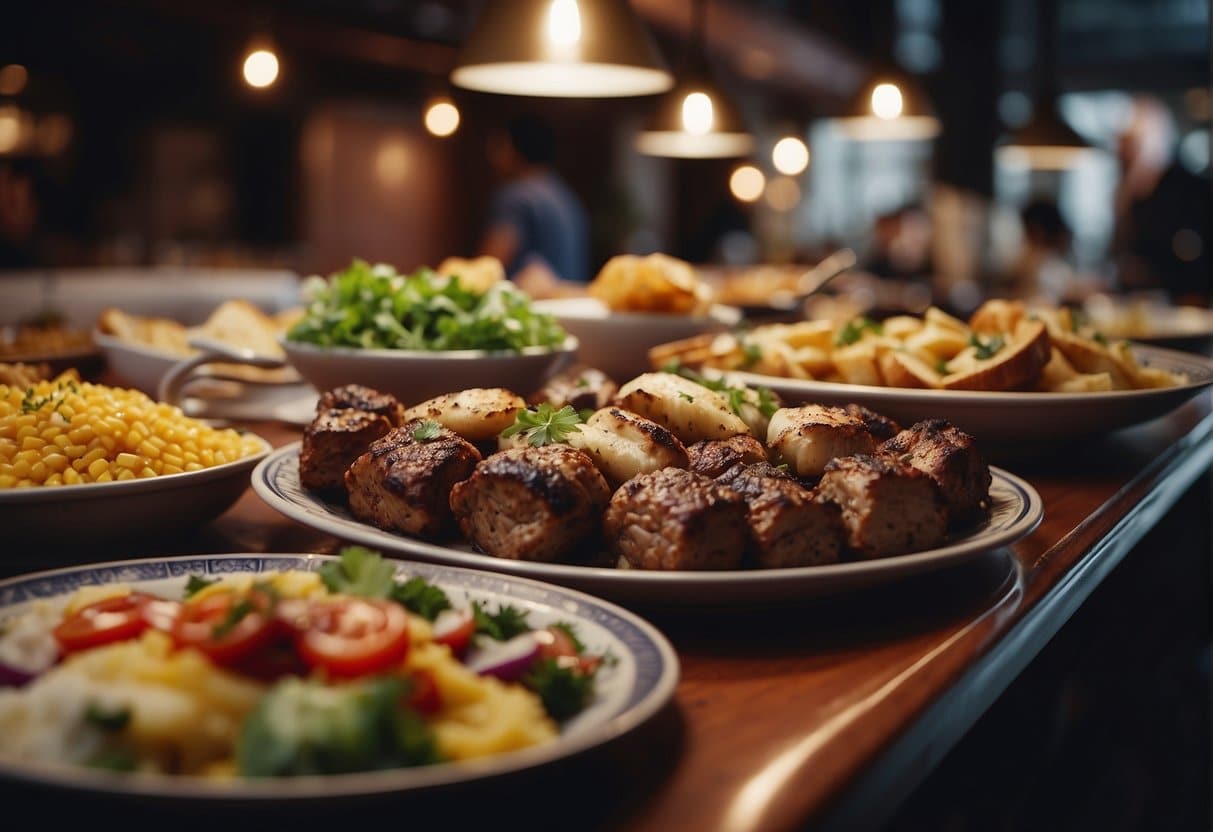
(226, 626)
(354, 636)
(112, 619)
(455, 630)
(556, 644)
(424, 697)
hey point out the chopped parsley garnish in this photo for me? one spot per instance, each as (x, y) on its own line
(767, 404)
(682, 394)
(234, 616)
(751, 354)
(503, 625)
(564, 691)
(106, 719)
(421, 597)
(31, 404)
(986, 347)
(941, 366)
(427, 430)
(196, 584)
(117, 759)
(545, 425)
(854, 330)
(365, 573)
(583, 382)
(735, 396)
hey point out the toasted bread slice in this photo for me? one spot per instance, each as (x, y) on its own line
(903, 369)
(1015, 366)
(161, 334)
(239, 323)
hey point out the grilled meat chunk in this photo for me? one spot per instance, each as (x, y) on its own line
(788, 527)
(334, 439)
(403, 482)
(531, 503)
(808, 437)
(948, 456)
(712, 457)
(477, 414)
(357, 397)
(888, 507)
(581, 388)
(881, 427)
(675, 519)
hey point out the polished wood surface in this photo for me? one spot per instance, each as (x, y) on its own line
(828, 712)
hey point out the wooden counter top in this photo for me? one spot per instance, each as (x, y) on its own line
(826, 713)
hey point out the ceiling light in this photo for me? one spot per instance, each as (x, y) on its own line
(696, 119)
(561, 49)
(747, 183)
(1046, 142)
(441, 117)
(889, 109)
(260, 68)
(790, 156)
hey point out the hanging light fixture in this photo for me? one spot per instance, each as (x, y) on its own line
(259, 65)
(695, 120)
(561, 49)
(1045, 142)
(890, 107)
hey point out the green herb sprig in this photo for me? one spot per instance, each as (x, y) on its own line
(545, 425)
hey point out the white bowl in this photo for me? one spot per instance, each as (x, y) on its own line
(618, 343)
(416, 375)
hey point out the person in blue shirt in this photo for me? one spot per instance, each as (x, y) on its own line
(535, 220)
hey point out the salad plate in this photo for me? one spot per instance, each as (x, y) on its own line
(1016, 510)
(628, 690)
(96, 512)
(1012, 416)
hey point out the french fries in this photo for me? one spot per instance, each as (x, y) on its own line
(1003, 346)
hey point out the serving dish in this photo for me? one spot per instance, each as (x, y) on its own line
(60, 515)
(618, 342)
(640, 682)
(1013, 416)
(1016, 509)
(416, 375)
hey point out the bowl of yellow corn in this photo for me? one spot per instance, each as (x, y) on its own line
(88, 462)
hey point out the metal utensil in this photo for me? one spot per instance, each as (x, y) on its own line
(816, 278)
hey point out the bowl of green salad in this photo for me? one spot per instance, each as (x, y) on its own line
(423, 334)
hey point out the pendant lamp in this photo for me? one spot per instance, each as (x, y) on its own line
(890, 107)
(561, 49)
(696, 119)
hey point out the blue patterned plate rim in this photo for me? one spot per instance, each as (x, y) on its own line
(656, 677)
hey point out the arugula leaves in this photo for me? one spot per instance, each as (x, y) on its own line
(375, 307)
(564, 691)
(545, 425)
(571, 631)
(503, 625)
(365, 573)
(197, 583)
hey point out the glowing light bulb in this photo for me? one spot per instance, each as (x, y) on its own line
(697, 115)
(790, 156)
(887, 102)
(442, 117)
(564, 23)
(260, 68)
(747, 183)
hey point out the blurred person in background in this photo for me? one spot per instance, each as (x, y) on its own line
(901, 245)
(1163, 211)
(537, 227)
(1043, 267)
(18, 216)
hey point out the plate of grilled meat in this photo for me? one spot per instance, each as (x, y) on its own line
(672, 489)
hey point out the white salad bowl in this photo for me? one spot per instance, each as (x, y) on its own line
(618, 343)
(416, 375)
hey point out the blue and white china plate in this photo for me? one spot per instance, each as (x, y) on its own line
(1012, 416)
(1016, 510)
(628, 692)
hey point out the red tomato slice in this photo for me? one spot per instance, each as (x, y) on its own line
(555, 644)
(354, 636)
(455, 630)
(424, 697)
(223, 629)
(112, 619)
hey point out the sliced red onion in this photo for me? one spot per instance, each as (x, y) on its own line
(14, 677)
(505, 660)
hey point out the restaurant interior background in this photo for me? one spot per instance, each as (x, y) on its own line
(138, 133)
